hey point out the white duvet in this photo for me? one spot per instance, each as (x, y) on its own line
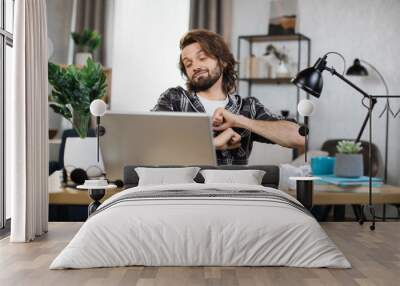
(200, 231)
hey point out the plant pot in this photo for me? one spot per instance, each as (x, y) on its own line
(349, 165)
(80, 123)
(81, 58)
(282, 70)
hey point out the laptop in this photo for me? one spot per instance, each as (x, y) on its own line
(155, 138)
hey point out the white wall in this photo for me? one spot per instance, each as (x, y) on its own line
(146, 51)
(368, 29)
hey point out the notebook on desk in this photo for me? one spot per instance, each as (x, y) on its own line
(344, 182)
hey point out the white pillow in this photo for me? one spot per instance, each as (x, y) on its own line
(163, 176)
(248, 177)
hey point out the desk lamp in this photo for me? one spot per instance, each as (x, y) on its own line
(311, 81)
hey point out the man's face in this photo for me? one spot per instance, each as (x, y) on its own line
(202, 70)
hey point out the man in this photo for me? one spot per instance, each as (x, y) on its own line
(209, 68)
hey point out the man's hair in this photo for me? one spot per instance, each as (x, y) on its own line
(215, 47)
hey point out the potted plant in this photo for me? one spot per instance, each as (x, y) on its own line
(276, 62)
(87, 42)
(349, 161)
(74, 89)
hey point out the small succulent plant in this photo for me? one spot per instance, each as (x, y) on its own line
(349, 147)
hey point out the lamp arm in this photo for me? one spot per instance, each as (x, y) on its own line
(378, 73)
(366, 95)
(373, 102)
(334, 72)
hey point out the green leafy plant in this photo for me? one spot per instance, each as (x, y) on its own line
(281, 56)
(88, 40)
(348, 147)
(73, 91)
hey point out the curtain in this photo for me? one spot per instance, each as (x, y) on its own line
(213, 15)
(91, 14)
(27, 142)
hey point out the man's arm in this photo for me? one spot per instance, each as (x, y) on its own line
(282, 132)
(227, 140)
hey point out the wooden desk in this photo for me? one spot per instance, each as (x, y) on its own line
(70, 196)
(328, 194)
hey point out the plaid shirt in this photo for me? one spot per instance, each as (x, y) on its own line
(179, 100)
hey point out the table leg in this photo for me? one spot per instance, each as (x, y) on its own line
(384, 212)
(339, 212)
(304, 192)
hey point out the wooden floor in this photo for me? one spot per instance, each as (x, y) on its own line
(375, 257)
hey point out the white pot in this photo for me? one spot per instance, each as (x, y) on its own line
(282, 70)
(81, 58)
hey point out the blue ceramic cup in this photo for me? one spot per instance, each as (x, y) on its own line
(322, 165)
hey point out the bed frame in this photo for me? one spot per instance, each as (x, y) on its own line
(270, 179)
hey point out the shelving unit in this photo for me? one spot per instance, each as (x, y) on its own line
(256, 39)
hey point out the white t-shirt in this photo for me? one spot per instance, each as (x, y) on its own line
(211, 105)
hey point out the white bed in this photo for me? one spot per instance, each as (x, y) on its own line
(185, 230)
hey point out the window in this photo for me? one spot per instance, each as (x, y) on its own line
(6, 44)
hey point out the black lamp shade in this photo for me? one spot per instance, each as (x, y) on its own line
(357, 69)
(310, 80)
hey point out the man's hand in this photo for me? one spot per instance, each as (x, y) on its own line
(227, 140)
(223, 119)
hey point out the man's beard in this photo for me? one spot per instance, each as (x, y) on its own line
(205, 82)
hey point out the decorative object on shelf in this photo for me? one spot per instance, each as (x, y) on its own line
(349, 161)
(311, 81)
(87, 41)
(98, 108)
(73, 91)
(250, 67)
(275, 62)
(282, 17)
(270, 62)
(359, 70)
(282, 71)
(254, 67)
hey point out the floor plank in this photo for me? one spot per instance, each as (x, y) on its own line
(375, 257)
